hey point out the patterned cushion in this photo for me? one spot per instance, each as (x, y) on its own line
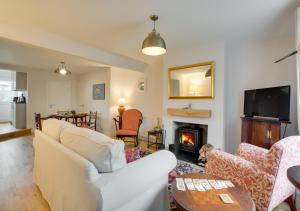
(132, 154)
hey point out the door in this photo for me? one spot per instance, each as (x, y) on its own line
(275, 133)
(261, 133)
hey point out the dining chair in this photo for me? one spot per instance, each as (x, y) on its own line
(131, 122)
(92, 121)
(38, 120)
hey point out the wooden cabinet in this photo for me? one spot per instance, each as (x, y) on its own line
(260, 132)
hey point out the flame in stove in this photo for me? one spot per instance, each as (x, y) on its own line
(187, 138)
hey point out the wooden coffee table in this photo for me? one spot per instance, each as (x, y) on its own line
(209, 200)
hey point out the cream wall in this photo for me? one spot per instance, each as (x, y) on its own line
(84, 96)
(194, 55)
(124, 84)
(251, 66)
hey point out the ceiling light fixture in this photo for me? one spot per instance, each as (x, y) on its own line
(154, 44)
(62, 69)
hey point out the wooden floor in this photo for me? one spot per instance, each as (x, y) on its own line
(8, 131)
(17, 190)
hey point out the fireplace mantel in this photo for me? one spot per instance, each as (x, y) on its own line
(197, 113)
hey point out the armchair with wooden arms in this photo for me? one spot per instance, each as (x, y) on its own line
(131, 121)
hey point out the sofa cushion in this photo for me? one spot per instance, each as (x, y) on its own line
(54, 127)
(107, 155)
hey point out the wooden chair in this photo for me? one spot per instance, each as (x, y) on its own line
(38, 120)
(131, 122)
(92, 121)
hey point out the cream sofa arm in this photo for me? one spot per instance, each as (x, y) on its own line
(128, 183)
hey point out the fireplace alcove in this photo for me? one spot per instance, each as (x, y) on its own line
(188, 139)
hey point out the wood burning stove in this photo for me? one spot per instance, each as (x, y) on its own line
(189, 139)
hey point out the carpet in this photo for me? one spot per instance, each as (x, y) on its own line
(181, 168)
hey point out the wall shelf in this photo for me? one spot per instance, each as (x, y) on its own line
(197, 113)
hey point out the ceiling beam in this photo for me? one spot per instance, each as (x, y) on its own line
(35, 37)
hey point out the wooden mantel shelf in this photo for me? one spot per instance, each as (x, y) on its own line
(198, 113)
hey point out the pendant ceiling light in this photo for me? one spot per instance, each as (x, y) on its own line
(154, 44)
(62, 69)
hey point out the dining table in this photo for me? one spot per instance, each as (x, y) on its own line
(77, 118)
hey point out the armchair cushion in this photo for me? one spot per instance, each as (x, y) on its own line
(265, 160)
(126, 132)
(131, 119)
(251, 152)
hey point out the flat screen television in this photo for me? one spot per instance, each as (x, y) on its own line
(269, 102)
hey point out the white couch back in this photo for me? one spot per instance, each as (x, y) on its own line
(64, 177)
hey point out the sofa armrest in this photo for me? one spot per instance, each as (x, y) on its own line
(259, 184)
(126, 184)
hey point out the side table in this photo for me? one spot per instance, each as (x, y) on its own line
(159, 138)
(293, 174)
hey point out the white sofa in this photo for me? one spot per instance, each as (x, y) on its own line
(69, 182)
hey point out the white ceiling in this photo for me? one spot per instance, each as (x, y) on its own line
(20, 54)
(120, 26)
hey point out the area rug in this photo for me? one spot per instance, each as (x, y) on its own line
(181, 168)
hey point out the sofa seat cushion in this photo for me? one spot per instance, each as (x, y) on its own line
(54, 127)
(107, 155)
(126, 132)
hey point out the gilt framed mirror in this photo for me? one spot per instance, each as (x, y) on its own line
(194, 81)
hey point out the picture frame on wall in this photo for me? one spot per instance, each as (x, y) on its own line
(141, 86)
(99, 91)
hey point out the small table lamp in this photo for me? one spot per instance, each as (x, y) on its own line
(121, 109)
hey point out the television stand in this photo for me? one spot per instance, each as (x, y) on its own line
(262, 132)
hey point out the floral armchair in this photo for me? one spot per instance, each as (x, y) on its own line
(261, 172)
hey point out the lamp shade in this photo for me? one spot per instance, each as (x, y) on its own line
(121, 101)
(62, 69)
(154, 44)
